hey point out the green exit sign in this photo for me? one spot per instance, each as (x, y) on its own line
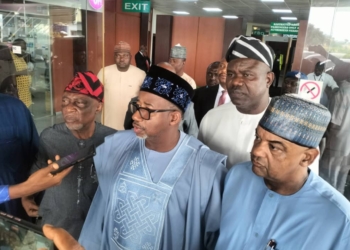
(136, 6)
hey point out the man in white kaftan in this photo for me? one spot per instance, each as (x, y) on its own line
(122, 82)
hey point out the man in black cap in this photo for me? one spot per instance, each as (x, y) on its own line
(67, 205)
(158, 187)
(229, 129)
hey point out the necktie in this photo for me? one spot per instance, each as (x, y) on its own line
(222, 98)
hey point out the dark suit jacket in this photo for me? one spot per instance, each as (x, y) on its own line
(141, 61)
(204, 100)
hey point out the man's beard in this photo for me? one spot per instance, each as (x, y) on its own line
(74, 127)
(144, 136)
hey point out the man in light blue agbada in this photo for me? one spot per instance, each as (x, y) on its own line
(158, 187)
(275, 201)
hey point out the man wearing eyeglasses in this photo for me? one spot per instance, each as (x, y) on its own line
(158, 187)
(122, 82)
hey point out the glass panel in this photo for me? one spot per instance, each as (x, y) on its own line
(327, 43)
(58, 44)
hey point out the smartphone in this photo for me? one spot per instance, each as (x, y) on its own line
(19, 234)
(74, 158)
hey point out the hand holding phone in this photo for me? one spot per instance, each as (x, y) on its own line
(74, 158)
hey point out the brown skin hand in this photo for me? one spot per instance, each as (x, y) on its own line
(61, 238)
(248, 82)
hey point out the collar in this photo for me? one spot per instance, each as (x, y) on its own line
(220, 88)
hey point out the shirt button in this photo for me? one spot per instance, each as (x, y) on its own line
(81, 144)
(256, 234)
(271, 195)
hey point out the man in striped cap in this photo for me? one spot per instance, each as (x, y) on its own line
(122, 82)
(229, 128)
(67, 205)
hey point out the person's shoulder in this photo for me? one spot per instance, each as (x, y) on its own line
(135, 70)
(104, 130)
(330, 197)
(123, 136)
(225, 108)
(241, 168)
(12, 102)
(60, 128)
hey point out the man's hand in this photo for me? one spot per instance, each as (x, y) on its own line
(39, 181)
(30, 206)
(61, 238)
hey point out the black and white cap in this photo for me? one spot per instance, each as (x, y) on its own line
(250, 47)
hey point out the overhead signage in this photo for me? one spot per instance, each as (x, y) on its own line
(284, 28)
(310, 90)
(136, 6)
(259, 32)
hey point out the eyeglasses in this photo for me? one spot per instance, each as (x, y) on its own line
(119, 56)
(145, 113)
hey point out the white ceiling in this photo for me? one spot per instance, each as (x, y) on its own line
(251, 10)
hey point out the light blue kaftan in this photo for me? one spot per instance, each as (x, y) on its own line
(180, 210)
(314, 218)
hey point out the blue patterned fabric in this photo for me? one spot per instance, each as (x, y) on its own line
(169, 86)
(297, 120)
(4, 194)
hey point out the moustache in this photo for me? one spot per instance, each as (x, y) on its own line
(135, 124)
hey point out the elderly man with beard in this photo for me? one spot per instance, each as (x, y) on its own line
(122, 82)
(158, 187)
(67, 205)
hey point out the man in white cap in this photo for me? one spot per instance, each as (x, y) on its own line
(229, 128)
(177, 59)
(122, 82)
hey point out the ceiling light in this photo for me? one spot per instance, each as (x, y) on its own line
(278, 1)
(230, 17)
(288, 18)
(181, 12)
(281, 11)
(212, 9)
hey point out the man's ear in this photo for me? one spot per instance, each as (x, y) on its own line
(309, 157)
(99, 107)
(269, 78)
(176, 118)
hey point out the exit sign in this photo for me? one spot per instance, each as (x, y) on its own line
(136, 6)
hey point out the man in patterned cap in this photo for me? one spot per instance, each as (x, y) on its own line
(274, 200)
(158, 187)
(122, 82)
(67, 205)
(229, 129)
(177, 59)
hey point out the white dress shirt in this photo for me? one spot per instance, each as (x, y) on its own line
(218, 95)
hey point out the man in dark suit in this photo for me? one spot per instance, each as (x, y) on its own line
(209, 97)
(142, 59)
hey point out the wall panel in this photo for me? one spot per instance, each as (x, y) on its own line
(185, 32)
(209, 45)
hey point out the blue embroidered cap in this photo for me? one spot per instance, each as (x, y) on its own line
(295, 119)
(296, 74)
(168, 85)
